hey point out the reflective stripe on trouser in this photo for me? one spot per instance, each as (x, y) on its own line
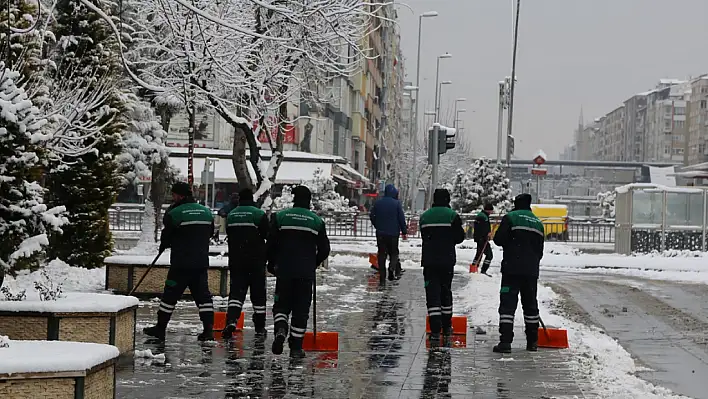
(292, 295)
(511, 288)
(249, 276)
(177, 281)
(531, 327)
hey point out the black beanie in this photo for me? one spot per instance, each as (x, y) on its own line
(441, 197)
(302, 197)
(182, 188)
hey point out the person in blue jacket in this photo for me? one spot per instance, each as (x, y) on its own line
(389, 221)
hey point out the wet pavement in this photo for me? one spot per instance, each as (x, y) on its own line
(664, 325)
(382, 354)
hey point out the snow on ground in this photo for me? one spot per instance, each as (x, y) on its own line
(688, 266)
(71, 302)
(609, 367)
(163, 260)
(53, 356)
(73, 279)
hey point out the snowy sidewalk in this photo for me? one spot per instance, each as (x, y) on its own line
(382, 353)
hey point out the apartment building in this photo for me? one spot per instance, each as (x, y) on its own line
(697, 129)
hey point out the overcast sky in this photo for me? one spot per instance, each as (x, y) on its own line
(572, 53)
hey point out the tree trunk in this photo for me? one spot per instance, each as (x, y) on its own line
(158, 186)
(191, 111)
(239, 159)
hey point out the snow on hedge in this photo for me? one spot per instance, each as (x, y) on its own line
(607, 203)
(484, 182)
(72, 279)
(324, 196)
(53, 356)
(73, 302)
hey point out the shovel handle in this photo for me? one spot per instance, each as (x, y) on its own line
(146, 272)
(314, 308)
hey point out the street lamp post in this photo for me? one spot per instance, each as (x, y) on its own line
(512, 85)
(428, 14)
(436, 127)
(411, 131)
(439, 104)
(457, 101)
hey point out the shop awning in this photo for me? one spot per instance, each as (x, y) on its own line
(288, 173)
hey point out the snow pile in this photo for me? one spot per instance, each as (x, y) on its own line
(485, 182)
(53, 356)
(72, 279)
(607, 203)
(147, 354)
(72, 302)
(164, 260)
(324, 196)
(609, 367)
(4, 341)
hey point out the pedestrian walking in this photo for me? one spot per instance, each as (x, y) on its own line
(521, 236)
(224, 212)
(389, 221)
(187, 228)
(297, 245)
(482, 236)
(247, 230)
(441, 229)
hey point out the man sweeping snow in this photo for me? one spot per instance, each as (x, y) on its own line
(187, 228)
(297, 244)
(441, 229)
(482, 235)
(522, 236)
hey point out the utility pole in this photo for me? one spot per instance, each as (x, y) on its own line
(500, 128)
(510, 122)
(436, 158)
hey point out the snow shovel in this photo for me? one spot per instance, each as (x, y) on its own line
(146, 272)
(374, 261)
(556, 338)
(459, 325)
(220, 321)
(474, 267)
(319, 341)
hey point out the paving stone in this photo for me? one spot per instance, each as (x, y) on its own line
(382, 355)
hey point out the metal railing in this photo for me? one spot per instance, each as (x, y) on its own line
(348, 224)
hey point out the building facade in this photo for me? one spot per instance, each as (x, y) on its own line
(697, 130)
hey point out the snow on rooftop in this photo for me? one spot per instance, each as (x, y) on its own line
(549, 206)
(72, 302)
(658, 187)
(53, 356)
(163, 261)
(541, 154)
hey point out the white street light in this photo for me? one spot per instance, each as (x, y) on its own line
(429, 14)
(459, 100)
(410, 88)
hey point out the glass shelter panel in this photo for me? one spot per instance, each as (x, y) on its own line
(647, 207)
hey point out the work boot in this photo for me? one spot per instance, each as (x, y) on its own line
(261, 333)
(155, 332)
(207, 334)
(532, 346)
(296, 351)
(502, 348)
(391, 274)
(278, 342)
(434, 340)
(447, 331)
(229, 331)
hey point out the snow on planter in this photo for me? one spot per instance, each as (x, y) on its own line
(124, 271)
(57, 370)
(79, 317)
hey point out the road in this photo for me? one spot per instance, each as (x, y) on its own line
(662, 324)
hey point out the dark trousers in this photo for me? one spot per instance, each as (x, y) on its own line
(178, 280)
(438, 297)
(511, 287)
(387, 247)
(483, 247)
(292, 295)
(241, 279)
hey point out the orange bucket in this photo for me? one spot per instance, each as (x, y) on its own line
(556, 338)
(374, 261)
(325, 342)
(459, 325)
(474, 268)
(220, 321)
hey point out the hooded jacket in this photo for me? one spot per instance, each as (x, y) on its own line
(247, 229)
(521, 235)
(482, 226)
(298, 241)
(441, 229)
(387, 214)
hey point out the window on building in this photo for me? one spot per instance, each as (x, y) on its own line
(678, 151)
(680, 111)
(667, 149)
(701, 148)
(704, 104)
